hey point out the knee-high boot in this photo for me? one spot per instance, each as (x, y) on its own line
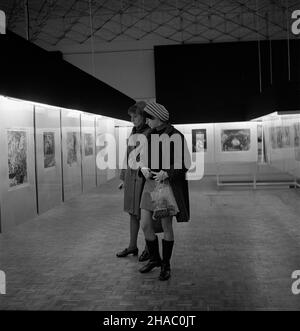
(165, 272)
(155, 260)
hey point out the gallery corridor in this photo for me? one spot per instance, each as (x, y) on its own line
(237, 252)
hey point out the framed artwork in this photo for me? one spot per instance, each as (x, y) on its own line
(72, 147)
(199, 140)
(17, 157)
(280, 137)
(297, 141)
(49, 150)
(88, 144)
(235, 140)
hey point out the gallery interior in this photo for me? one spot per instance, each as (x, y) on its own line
(228, 72)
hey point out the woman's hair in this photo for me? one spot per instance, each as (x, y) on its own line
(138, 108)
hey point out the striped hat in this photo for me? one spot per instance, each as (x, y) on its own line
(157, 110)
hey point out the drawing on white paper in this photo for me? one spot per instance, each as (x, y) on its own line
(235, 140)
(17, 157)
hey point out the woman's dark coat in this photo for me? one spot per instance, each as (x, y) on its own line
(177, 177)
(133, 180)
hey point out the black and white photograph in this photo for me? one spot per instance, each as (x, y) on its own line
(88, 144)
(199, 140)
(149, 161)
(72, 147)
(236, 140)
(17, 157)
(49, 149)
(280, 137)
(297, 140)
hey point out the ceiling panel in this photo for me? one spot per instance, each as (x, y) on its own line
(55, 23)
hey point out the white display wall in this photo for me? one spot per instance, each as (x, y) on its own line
(236, 148)
(122, 133)
(235, 142)
(203, 134)
(110, 129)
(17, 163)
(48, 157)
(282, 134)
(104, 125)
(88, 144)
(71, 147)
(216, 141)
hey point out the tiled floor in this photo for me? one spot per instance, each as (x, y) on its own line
(238, 252)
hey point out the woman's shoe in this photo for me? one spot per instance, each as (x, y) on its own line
(145, 256)
(128, 251)
(155, 260)
(149, 266)
(165, 272)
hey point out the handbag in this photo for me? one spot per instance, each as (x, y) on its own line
(157, 226)
(164, 201)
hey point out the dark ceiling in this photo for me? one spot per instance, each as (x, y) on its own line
(31, 73)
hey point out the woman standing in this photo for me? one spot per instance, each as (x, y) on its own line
(133, 182)
(158, 120)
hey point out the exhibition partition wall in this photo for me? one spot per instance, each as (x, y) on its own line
(17, 163)
(88, 146)
(48, 155)
(102, 127)
(71, 156)
(122, 132)
(198, 137)
(244, 152)
(282, 135)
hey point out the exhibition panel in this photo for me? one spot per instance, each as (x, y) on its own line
(200, 137)
(243, 151)
(105, 144)
(17, 163)
(48, 157)
(122, 133)
(72, 174)
(282, 142)
(236, 142)
(88, 151)
(110, 129)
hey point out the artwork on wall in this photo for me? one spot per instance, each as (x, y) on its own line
(199, 140)
(17, 157)
(297, 140)
(49, 150)
(88, 144)
(72, 148)
(259, 143)
(280, 137)
(235, 140)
